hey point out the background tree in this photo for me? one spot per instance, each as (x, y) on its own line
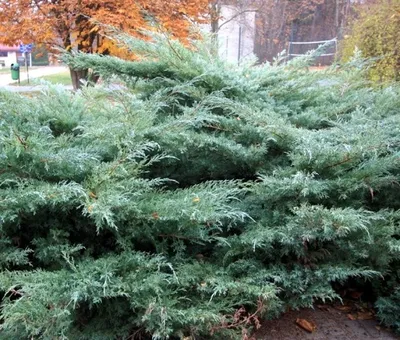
(280, 21)
(241, 7)
(67, 23)
(375, 33)
(303, 20)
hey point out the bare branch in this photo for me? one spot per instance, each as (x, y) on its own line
(237, 15)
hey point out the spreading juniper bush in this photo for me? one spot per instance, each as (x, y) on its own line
(197, 200)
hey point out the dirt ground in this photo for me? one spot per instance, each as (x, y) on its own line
(331, 324)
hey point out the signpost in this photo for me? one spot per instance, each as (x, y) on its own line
(21, 60)
(25, 49)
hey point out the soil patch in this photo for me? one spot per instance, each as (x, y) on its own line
(332, 323)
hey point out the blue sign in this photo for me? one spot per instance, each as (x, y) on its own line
(25, 48)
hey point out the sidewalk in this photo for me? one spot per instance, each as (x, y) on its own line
(5, 79)
(30, 88)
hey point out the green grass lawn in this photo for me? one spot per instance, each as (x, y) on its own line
(62, 78)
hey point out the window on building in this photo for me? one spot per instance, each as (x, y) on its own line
(3, 54)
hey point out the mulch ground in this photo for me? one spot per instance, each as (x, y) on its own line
(350, 321)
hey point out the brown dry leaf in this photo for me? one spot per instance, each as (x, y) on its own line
(351, 317)
(309, 326)
(365, 315)
(343, 308)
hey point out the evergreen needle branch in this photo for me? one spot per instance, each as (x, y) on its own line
(216, 128)
(180, 237)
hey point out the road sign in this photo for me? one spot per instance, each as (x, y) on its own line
(25, 48)
(21, 60)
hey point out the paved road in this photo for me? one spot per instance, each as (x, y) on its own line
(5, 79)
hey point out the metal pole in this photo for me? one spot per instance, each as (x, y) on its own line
(27, 66)
(240, 44)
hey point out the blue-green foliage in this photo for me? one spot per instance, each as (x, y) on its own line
(198, 195)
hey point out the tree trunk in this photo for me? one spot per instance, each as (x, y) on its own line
(77, 76)
(81, 77)
(215, 13)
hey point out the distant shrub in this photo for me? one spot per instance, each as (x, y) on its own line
(376, 33)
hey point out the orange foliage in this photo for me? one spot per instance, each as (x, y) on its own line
(73, 23)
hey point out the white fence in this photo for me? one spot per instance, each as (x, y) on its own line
(331, 44)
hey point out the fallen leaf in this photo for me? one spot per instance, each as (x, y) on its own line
(351, 317)
(343, 308)
(196, 200)
(309, 326)
(155, 215)
(365, 315)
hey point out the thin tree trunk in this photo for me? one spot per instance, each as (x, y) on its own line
(337, 13)
(77, 76)
(215, 13)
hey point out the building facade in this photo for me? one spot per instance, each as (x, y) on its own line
(8, 55)
(236, 34)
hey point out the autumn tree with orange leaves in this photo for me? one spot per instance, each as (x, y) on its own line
(73, 24)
